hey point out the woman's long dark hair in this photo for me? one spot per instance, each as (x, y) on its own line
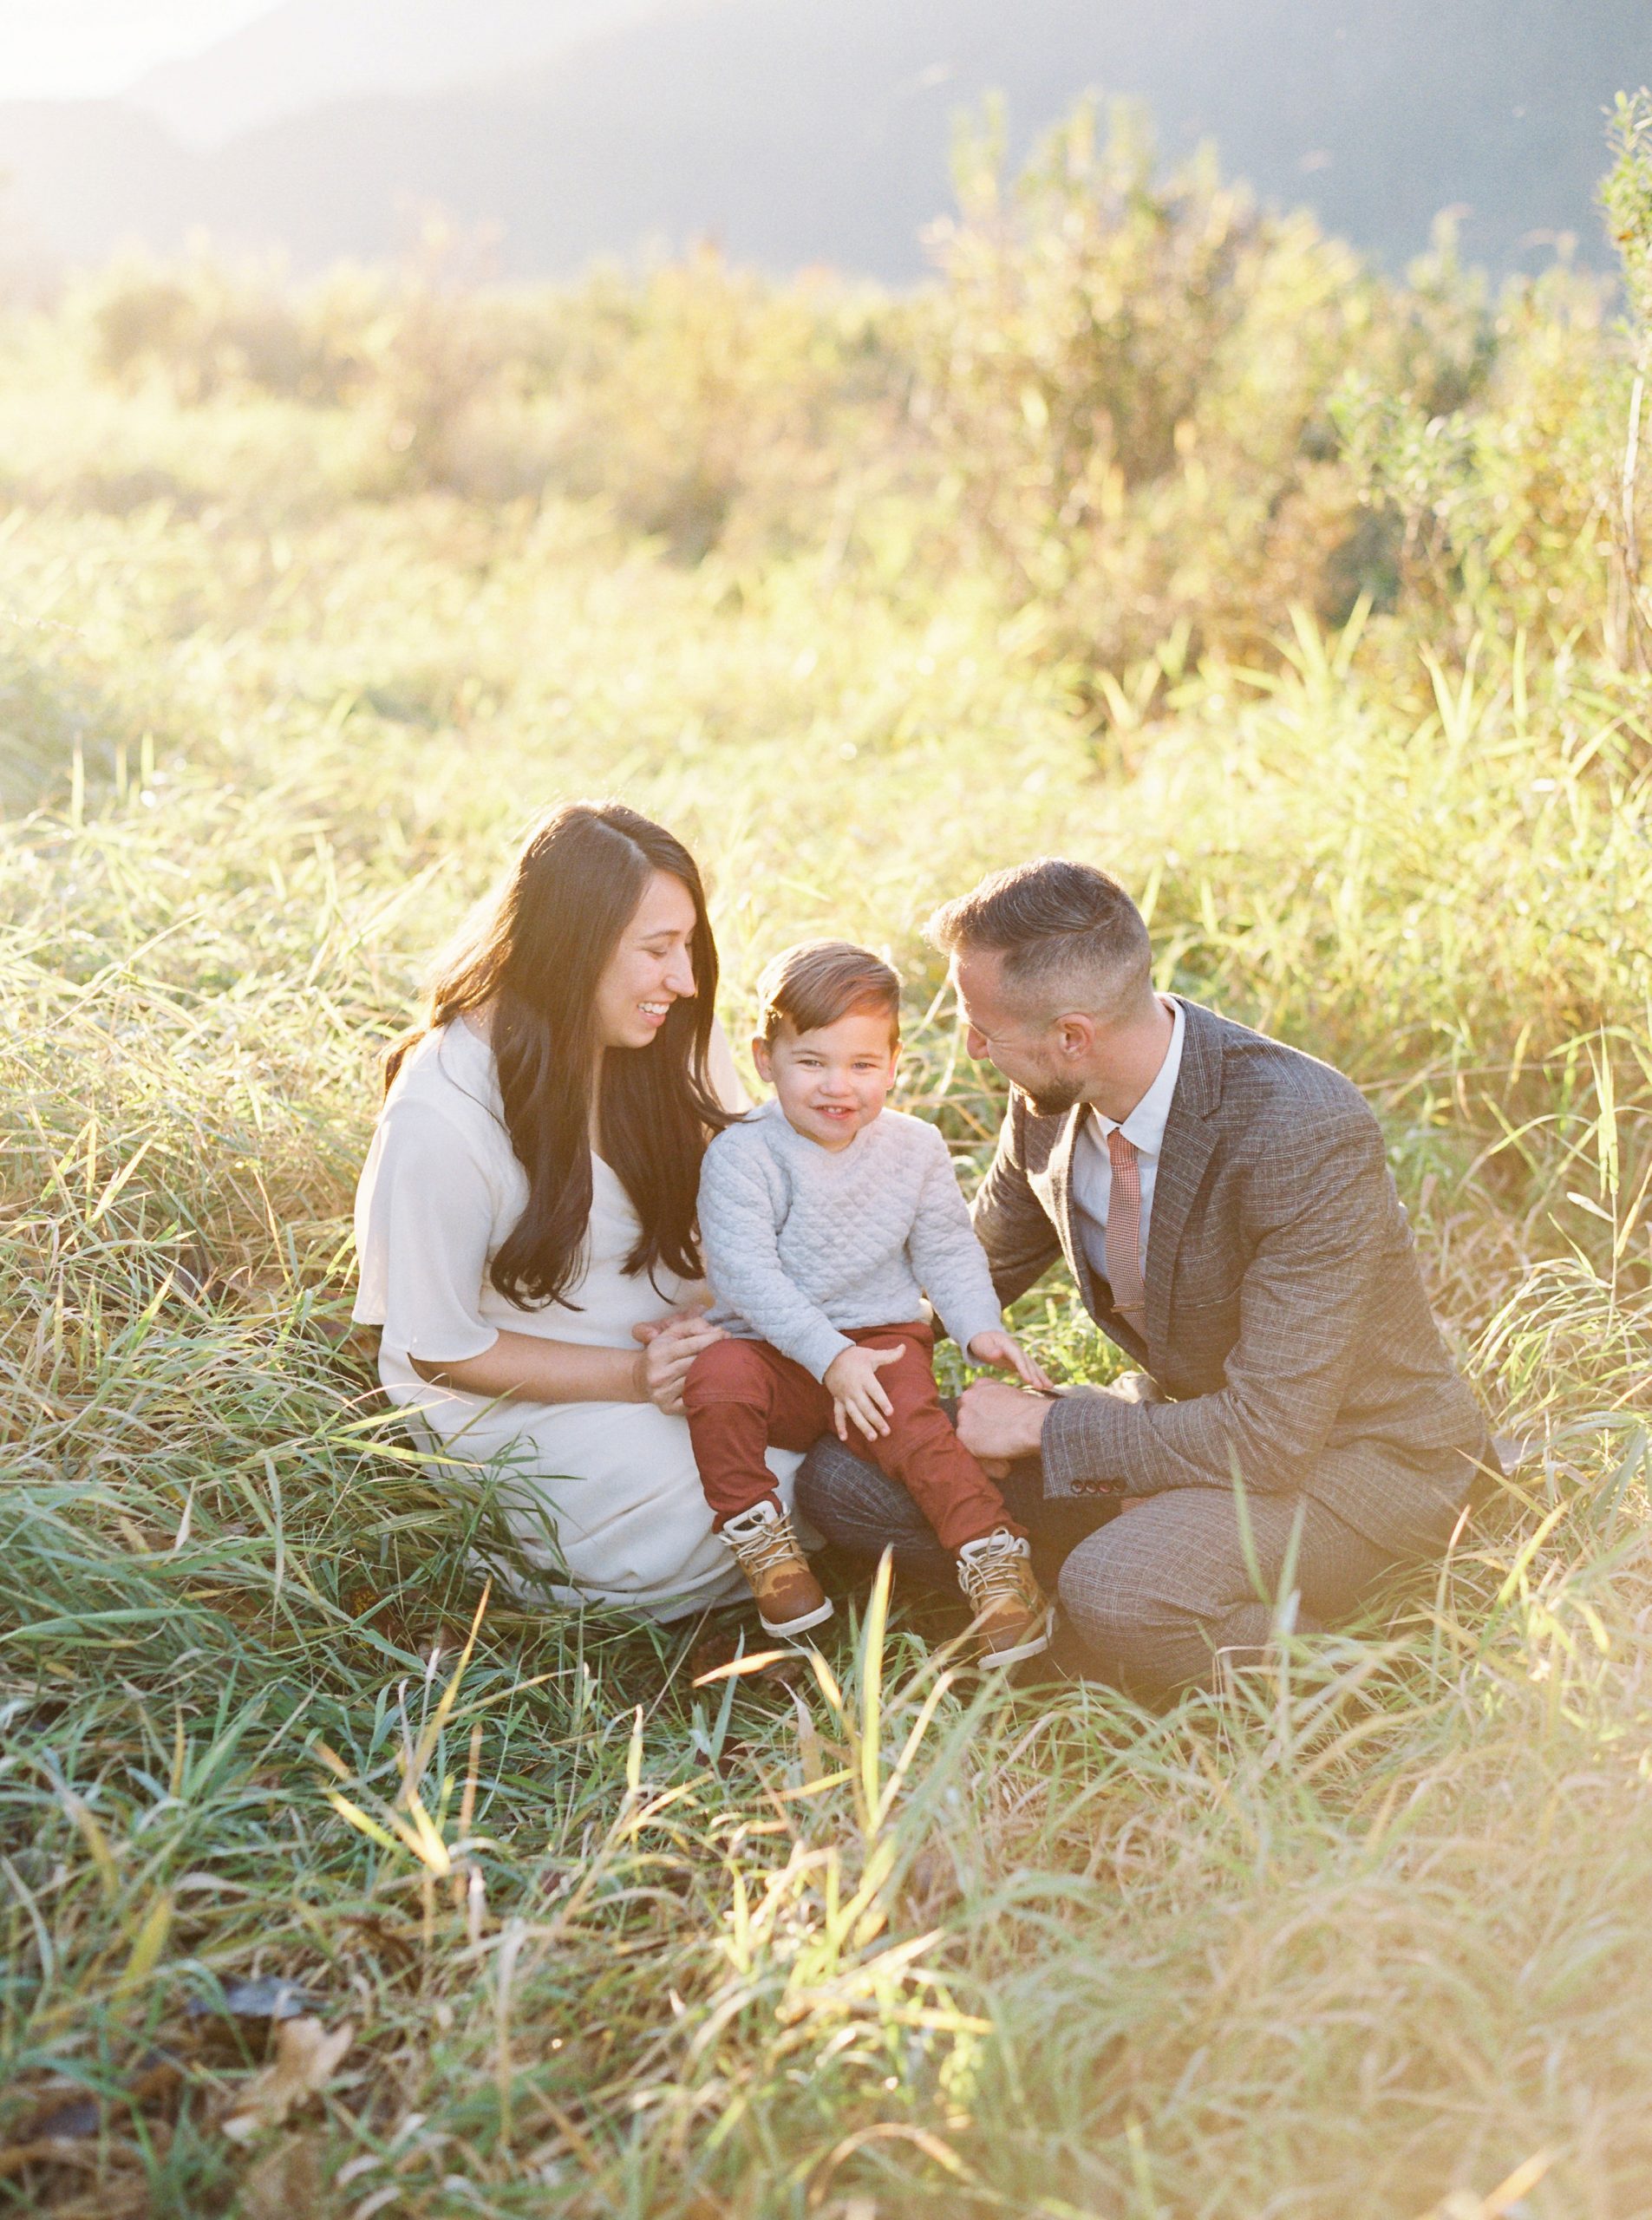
(537, 959)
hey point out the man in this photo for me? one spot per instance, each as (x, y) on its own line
(1224, 1207)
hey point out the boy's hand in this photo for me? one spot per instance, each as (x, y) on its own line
(857, 1393)
(1005, 1354)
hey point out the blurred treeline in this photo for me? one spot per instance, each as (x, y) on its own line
(1152, 418)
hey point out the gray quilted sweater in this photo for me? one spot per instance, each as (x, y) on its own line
(801, 1242)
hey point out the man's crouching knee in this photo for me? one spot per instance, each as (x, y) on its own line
(1117, 1595)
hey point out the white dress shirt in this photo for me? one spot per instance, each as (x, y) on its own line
(1144, 1127)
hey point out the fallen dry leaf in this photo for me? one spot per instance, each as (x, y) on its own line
(61, 2130)
(305, 2060)
(119, 2195)
(286, 2183)
(714, 1658)
(47, 2150)
(63, 2113)
(272, 1998)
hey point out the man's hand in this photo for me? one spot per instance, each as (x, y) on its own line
(997, 1423)
(1006, 1354)
(857, 1393)
(1133, 1387)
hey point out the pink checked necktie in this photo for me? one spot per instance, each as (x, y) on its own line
(1124, 1232)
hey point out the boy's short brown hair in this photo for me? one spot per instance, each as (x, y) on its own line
(817, 982)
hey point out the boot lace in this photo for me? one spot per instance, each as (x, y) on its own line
(768, 1550)
(998, 1571)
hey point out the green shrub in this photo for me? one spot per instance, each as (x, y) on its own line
(1129, 378)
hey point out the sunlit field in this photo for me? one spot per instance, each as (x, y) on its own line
(1153, 533)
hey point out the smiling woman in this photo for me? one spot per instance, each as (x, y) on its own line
(525, 1220)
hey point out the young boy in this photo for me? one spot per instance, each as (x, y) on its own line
(825, 1219)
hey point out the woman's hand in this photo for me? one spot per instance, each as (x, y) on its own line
(857, 1393)
(1005, 1354)
(670, 1347)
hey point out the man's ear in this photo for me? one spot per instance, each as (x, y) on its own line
(1076, 1035)
(760, 1058)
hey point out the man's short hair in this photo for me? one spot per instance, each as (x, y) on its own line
(818, 982)
(1068, 933)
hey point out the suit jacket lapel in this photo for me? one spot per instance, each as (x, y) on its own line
(1061, 1189)
(1190, 1136)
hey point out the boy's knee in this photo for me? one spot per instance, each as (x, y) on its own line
(910, 1380)
(729, 1371)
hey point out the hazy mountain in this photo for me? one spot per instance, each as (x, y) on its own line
(304, 52)
(817, 130)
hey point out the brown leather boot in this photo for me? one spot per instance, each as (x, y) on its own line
(1012, 1614)
(790, 1599)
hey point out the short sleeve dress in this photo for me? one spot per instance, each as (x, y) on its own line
(604, 1498)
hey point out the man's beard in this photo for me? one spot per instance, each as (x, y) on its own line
(1052, 1101)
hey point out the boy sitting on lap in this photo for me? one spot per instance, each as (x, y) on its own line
(824, 1216)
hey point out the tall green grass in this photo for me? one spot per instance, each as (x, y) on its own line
(1366, 1937)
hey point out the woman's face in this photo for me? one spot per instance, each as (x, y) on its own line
(649, 968)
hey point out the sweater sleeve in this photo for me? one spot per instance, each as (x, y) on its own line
(738, 1232)
(950, 1263)
(424, 1215)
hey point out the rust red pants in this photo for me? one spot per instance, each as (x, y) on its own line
(742, 1397)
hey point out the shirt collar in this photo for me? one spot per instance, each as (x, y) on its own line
(1144, 1127)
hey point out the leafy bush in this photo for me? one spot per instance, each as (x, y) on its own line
(1130, 377)
(208, 328)
(705, 406)
(1498, 510)
(1153, 417)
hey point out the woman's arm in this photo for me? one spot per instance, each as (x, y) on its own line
(530, 1370)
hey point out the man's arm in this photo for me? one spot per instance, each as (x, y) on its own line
(1011, 1223)
(1301, 1316)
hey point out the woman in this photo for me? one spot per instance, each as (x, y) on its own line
(525, 1220)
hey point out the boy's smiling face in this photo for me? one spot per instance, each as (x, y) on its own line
(834, 1080)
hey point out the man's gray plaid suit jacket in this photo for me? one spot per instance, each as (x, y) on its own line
(1286, 1320)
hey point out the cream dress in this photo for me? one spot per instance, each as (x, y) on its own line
(603, 1499)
